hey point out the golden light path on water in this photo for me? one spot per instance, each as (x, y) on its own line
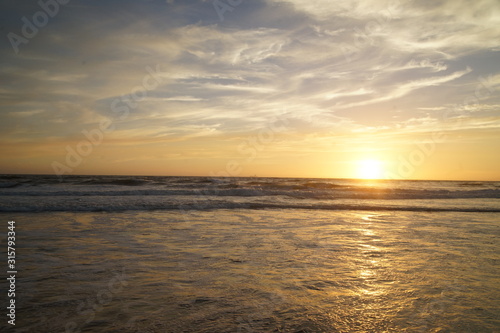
(262, 271)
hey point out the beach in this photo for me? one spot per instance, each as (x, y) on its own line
(194, 254)
(257, 271)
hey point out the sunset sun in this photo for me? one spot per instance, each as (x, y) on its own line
(369, 169)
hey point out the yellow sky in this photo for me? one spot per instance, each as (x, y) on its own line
(269, 88)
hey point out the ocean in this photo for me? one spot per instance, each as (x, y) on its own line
(200, 254)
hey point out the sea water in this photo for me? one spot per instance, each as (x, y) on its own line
(194, 254)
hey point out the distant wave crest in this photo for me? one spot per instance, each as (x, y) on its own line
(111, 193)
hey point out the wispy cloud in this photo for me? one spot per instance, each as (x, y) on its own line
(333, 69)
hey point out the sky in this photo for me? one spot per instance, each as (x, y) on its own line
(277, 88)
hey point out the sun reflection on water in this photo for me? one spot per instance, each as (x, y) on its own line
(370, 257)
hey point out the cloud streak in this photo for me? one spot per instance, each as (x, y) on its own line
(330, 68)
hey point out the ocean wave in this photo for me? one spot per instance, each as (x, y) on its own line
(9, 184)
(145, 192)
(120, 182)
(233, 190)
(186, 208)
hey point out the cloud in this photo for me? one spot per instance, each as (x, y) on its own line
(331, 68)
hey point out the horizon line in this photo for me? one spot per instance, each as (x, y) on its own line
(255, 176)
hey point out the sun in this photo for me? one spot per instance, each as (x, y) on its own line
(369, 169)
